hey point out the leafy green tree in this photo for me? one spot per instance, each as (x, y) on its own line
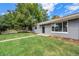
(30, 14)
(3, 25)
(24, 16)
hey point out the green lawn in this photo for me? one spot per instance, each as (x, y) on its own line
(10, 36)
(38, 46)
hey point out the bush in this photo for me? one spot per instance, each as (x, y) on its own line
(9, 32)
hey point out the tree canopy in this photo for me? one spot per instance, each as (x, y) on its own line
(25, 15)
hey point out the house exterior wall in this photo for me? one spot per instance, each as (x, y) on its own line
(72, 30)
(48, 29)
(38, 30)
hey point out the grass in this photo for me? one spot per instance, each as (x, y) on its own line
(10, 36)
(38, 46)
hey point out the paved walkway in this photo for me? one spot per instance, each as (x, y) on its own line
(17, 38)
(22, 37)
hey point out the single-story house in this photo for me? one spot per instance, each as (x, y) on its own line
(67, 26)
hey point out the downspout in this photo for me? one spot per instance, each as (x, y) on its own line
(78, 32)
(62, 24)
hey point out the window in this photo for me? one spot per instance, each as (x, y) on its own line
(35, 27)
(60, 27)
(53, 28)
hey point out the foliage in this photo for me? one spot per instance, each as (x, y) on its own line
(30, 14)
(3, 25)
(24, 16)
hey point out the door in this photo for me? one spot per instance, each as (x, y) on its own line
(43, 29)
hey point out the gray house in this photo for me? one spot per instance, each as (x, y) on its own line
(67, 27)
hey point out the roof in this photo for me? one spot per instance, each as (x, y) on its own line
(62, 19)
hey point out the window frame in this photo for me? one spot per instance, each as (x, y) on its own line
(62, 29)
(35, 27)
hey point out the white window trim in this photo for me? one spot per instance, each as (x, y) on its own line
(61, 31)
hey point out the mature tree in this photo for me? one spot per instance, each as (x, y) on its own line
(24, 16)
(30, 14)
(3, 25)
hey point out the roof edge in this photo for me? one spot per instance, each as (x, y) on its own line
(65, 18)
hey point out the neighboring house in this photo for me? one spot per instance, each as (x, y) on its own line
(67, 27)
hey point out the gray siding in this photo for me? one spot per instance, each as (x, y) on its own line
(48, 29)
(73, 30)
(38, 30)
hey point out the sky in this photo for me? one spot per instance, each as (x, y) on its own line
(60, 9)
(6, 6)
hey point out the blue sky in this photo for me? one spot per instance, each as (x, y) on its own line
(6, 6)
(61, 9)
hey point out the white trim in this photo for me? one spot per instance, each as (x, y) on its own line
(59, 32)
(62, 28)
(67, 25)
